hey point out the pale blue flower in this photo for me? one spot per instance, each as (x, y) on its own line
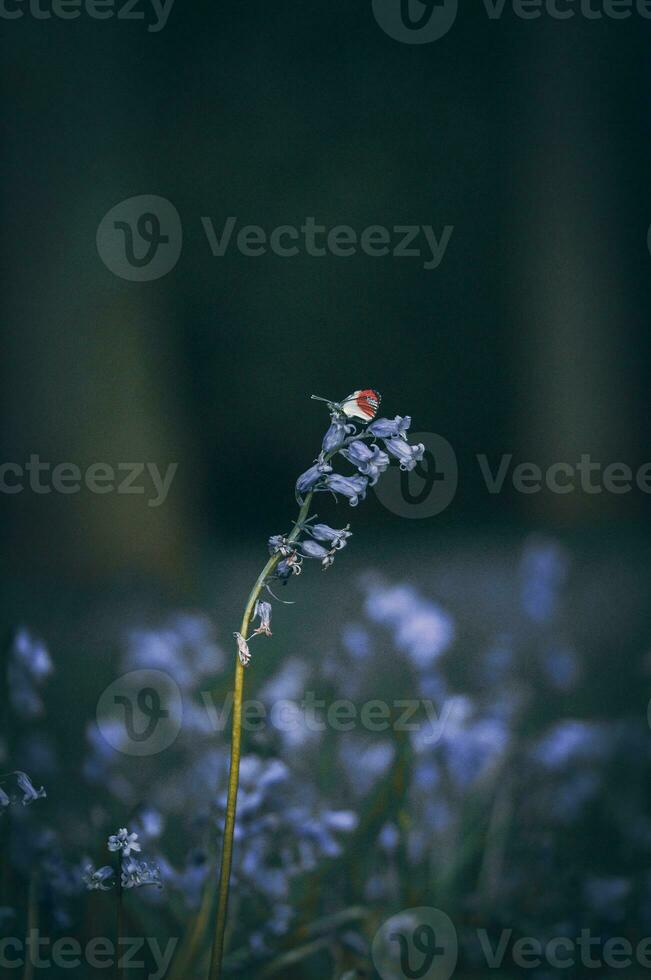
(4, 799)
(98, 880)
(369, 460)
(336, 435)
(30, 793)
(406, 454)
(308, 480)
(352, 487)
(135, 874)
(336, 538)
(390, 428)
(312, 549)
(123, 841)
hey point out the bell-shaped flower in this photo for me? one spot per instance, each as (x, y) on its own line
(336, 435)
(312, 549)
(336, 538)
(408, 455)
(369, 460)
(352, 487)
(390, 428)
(308, 480)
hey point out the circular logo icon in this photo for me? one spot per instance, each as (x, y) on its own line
(140, 239)
(415, 21)
(141, 712)
(417, 944)
(427, 489)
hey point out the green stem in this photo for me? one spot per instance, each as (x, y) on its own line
(119, 925)
(236, 749)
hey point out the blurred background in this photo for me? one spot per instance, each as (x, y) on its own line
(529, 139)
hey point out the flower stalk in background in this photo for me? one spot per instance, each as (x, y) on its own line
(349, 441)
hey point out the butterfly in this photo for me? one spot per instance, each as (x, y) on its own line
(362, 404)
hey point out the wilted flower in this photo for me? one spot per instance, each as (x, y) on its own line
(390, 428)
(123, 841)
(352, 487)
(336, 538)
(27, 787)
(279, 545)
(369, 460)
(243, 651)
(263, 613)
(408, 455)
(98, 880)
(288, 567)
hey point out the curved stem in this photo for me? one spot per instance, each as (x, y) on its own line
(236, 749)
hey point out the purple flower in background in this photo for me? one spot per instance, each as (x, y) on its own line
(98, 880)
(336, 538)
(4, 799)
(308, 480)
(135, 874)
(390, 428)
(352, 487)
(336, 435)
(123, 841)
(29, 667)
(406, 454)
(369, 460)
